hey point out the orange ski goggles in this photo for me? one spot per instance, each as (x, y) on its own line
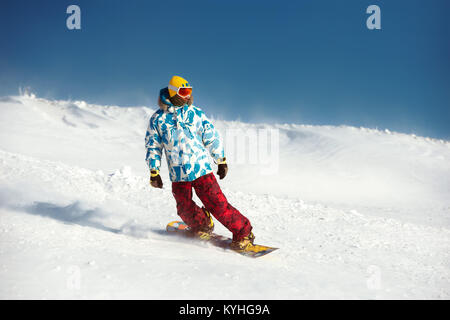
(184, 92)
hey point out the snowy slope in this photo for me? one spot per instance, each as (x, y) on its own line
(357, 213)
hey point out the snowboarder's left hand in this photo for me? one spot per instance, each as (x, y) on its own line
(155, 179)
(222, 170)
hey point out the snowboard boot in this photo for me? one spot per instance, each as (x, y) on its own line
(206, 231)
(243, 244)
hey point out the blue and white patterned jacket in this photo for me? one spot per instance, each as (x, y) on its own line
(187, 137)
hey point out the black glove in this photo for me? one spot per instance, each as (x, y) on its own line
(222, 170)
(155, 179)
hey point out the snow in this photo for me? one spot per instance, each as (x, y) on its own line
(357, 213)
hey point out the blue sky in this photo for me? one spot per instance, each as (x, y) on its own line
(310, 62)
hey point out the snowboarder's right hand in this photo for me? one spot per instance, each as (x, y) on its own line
(222, 168)
(155, 179)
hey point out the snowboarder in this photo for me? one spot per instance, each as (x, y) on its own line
(187, 136)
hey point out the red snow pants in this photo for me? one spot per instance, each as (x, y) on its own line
(208, 191)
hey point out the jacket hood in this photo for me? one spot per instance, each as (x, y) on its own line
(165, 104)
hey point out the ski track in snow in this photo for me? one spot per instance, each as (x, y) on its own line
(71, 231)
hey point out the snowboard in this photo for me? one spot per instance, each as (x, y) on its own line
(182, 229)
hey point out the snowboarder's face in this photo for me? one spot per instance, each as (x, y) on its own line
(177, 100)
(185, 99)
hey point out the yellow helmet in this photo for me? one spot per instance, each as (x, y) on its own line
(176, 83)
